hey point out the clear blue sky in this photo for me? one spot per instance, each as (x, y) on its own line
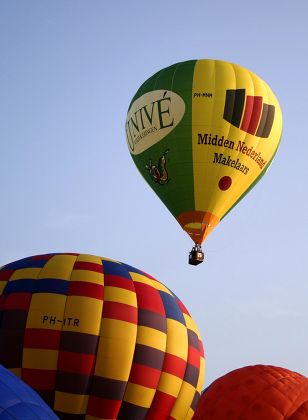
(68, 70)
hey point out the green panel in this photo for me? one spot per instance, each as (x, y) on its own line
(178, 192)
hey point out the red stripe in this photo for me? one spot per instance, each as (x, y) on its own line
(120, 311)
(39, 338)
(6, 274)
(193, 356)
(144, 375)
(83, 265)
(42, 257)
(247, 113)
(103, 408)
(17, 301)
(82, 288)
(201, 349)
(161, 406)
(255, 114)
(116, 281)
(174, 365)
(149, 298)
(76, 362)
(39, 379)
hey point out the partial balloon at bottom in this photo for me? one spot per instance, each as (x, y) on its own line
(255, 393)
(99, 339)
(18, 401)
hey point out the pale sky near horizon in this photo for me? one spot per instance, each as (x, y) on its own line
(68, 71)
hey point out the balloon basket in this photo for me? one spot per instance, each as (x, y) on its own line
(196, 255)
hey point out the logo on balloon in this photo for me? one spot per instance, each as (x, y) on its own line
(151, 118)
(159, 172)
(252, 116)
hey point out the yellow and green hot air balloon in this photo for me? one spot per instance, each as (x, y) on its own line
(202, 133)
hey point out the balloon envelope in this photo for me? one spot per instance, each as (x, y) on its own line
(256, 393)
(19, 401)
(100, 338)
(202, 133)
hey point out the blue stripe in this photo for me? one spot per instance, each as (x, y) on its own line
(115, 269)
(37, 286)
(172, 309)
(26, 263)
(134, 270)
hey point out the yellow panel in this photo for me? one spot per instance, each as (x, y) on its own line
(71, 403)
(208, 119)
(139, 395)
(89, 258)
(152, 338)
(169, 384)
(201, 374)
(116, 294)
(191, 325)
(40, 359)
(25, 273)
(58, 267)
(88, 276)
(177, 340)
(2, 286)
(189, 414)
(151, 282)
(116, 349)
(86, 313)
(183, 401)
(141, 278)
(160, 286)
(46, 311)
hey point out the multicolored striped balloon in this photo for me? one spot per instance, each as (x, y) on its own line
(99, 339)
(202, 133)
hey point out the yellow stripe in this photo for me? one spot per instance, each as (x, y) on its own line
(201, 375)
(87, 276)
(160, 286)
(189, 414)
(183, 401)
(169, 384)
(207, 117)
(116, 349)
(151, 337)
(2, 286)
(45, 311)
(85, 314)
(116, 294)
(139, 278)
(58, 267)
(40, 359)
(25, 273)
(71, 403)
(139, 395)
(177, 341)
(89, 258)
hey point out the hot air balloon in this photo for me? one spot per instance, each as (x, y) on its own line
(99, 339)
(202, 133)
(19, 401)
(256, 393)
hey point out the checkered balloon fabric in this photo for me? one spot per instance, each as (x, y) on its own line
(99, 339)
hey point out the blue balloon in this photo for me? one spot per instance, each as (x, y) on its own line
(19, 401)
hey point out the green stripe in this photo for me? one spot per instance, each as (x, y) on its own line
(178, 193)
